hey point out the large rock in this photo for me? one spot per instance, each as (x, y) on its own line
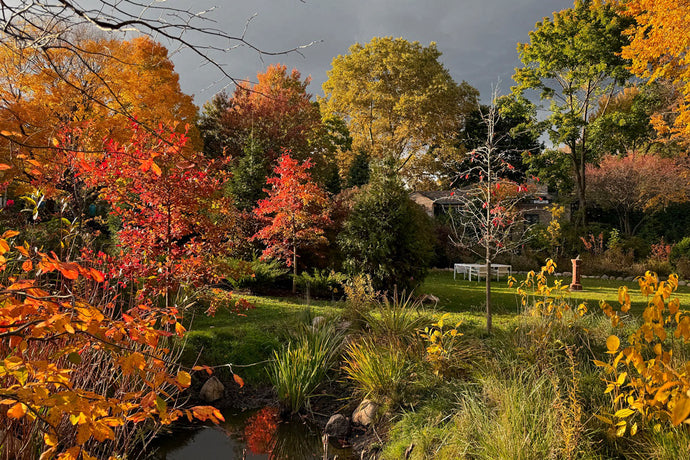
(212, 390)
(338, 426)
(365, 414)
(429, 298)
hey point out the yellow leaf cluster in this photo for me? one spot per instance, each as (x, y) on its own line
(644, 379)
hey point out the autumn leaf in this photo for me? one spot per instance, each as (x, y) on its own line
(17, 411)
(4, 247)
(69, 270)
(184, 379)
(612, 344)
(50, 439)
(97, 275)
(238, 380)
(156, 169)
(681, 410)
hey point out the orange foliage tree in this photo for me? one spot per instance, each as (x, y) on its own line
(107, 86)
(294, 213)
(658, 50)
(276, 112)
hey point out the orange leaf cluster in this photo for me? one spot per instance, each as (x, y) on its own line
(52, 342)
(658, 49)
(295, 212)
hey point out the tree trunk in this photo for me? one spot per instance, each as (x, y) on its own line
(294, 269)
(488, 291)
(579, 167)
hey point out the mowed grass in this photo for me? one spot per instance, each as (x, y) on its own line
(229, 338)
(465, 296)
(250, 337)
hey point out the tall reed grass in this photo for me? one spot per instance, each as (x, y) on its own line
(298, 370)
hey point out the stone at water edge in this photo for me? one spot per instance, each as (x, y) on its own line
(429, 298)
(338, 426)
(212, 390)
(318, 321)
(365, 413)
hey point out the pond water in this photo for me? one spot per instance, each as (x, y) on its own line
(260, 434)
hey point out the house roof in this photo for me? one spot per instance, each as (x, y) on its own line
(441, 196)
(455, 196)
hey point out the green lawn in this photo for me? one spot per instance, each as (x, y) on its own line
(252, 337)
(469, 296)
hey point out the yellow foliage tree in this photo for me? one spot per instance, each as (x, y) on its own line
(398, 100)
(647, 382)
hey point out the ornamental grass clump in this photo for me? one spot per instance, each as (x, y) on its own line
(380, 372)
(300, 368)
(397, 319)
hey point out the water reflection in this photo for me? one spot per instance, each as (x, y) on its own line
(260, 433)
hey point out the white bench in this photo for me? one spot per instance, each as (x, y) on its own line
(501, 270)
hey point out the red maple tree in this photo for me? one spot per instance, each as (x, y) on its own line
(294, 213)
(174, 217)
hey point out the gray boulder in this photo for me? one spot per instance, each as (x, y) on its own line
(212, 390)
(338, 426)
(318, 321)
(365, 414)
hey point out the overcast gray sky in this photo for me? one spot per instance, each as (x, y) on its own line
(477, 37)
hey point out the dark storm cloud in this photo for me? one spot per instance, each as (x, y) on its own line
(477, 37)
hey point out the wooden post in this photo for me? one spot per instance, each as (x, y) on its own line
(575, 285)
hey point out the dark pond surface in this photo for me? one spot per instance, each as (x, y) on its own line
(260, 433)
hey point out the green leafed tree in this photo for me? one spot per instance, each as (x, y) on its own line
(514, 135)
(398, 100)
(623, 122)
(387, 235)
(214, 133)
(359, 171)
(249, 176)
(572, 60)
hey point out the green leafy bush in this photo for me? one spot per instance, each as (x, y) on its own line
(680, 249)
(387, 235)
(321, 283)
(259, 275)
(680, 257)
